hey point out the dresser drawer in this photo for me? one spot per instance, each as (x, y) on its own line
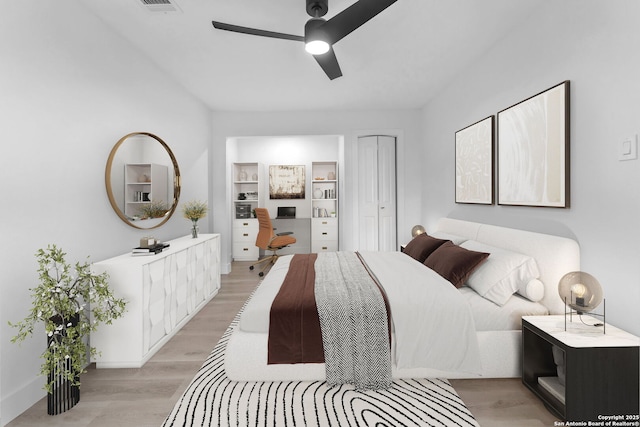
(246, 224)
(324, 229)
(324, 246)
(244, 236)
(246, 252)
(325, 222)
(324, 233)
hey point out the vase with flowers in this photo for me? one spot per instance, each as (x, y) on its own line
(194, 210)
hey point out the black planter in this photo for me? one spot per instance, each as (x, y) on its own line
(63, 395)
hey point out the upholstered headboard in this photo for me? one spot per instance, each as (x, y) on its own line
(555, 255)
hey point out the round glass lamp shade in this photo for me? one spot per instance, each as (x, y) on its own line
(417, 230)
(581, 291)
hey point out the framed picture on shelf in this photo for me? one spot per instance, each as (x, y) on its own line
(474, 163)
(533, 150)
(286, 182)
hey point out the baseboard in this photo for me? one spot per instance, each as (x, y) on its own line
(22, 399)
(226, 268)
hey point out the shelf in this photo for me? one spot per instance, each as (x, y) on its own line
(553, 386)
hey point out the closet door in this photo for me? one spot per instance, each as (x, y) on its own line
(377, 193)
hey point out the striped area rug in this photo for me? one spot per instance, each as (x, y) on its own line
(213, 400)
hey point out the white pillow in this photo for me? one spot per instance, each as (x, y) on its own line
(533, 290)
(446, 236)
(502, 274)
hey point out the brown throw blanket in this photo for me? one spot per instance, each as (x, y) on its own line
(294, 326)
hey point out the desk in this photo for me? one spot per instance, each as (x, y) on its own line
(301, 228)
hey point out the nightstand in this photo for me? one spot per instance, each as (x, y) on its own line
(601, 371)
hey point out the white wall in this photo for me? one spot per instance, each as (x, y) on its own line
(594, 44)
(69, 89)
(350, 124)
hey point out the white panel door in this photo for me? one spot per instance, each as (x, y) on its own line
(377, 193)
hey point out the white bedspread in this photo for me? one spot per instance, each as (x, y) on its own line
(433, 325)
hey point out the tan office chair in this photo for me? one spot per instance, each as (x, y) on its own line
(269, 241)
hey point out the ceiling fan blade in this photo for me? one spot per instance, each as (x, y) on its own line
(329, 64)
(353, 17)
(255, 32)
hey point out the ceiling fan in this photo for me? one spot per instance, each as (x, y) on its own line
(319, 34)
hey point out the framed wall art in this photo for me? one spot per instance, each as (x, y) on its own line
(533, 150)
(474, 163)
(286, 182)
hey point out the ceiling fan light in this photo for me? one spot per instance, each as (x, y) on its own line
(315, 39)
(317, 47)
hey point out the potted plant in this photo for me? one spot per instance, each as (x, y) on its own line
(71, 302)
(194, 210)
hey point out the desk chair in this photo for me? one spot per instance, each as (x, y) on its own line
(269, 241)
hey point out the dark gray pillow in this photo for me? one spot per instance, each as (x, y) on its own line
(455, 263)
(421, 246)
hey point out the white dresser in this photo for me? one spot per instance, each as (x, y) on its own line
(163, 292)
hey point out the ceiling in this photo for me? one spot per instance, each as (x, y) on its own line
(398, 60)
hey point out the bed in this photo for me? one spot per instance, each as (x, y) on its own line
(493, 349)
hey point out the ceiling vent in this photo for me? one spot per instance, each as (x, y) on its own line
(160, 6)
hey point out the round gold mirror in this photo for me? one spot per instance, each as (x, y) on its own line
(143, 180)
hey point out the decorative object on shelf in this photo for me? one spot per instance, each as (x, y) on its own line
(581, 292)
(474, 163)
(318, 193)
(252, 195)
(533, 150)
(242, 196)
(147, 242)
(331, 176)
(243, 210)
(417, 230)
(254, 177)
(194, 210)
(60, 301)
(242, 175)
(286, 182)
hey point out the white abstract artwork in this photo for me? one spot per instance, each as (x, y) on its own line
(533, 142)
(474, 163)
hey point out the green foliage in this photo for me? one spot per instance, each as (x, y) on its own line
(153, 210)
(60, 301)
(195, 210)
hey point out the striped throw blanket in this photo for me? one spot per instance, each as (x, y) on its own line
(354, 322)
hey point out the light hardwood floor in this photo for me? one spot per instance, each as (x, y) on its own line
(144, 397)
